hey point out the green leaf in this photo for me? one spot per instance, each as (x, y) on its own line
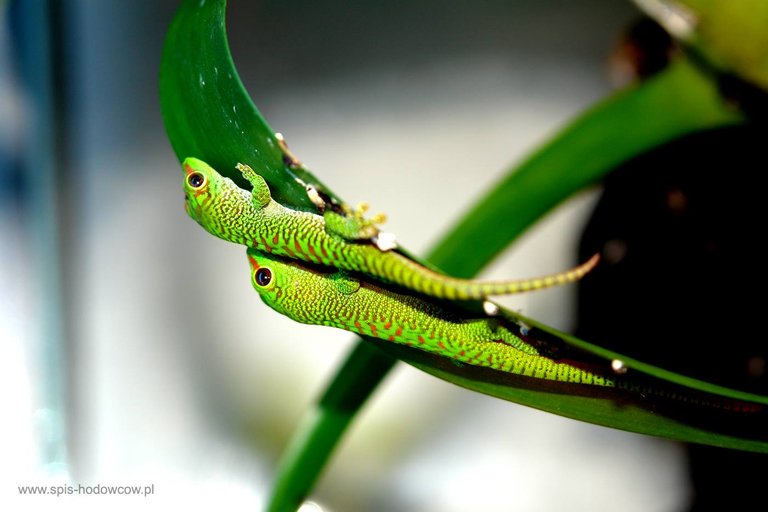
(669, 405)
(209, 115)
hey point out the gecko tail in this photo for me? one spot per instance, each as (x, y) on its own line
(539, 283)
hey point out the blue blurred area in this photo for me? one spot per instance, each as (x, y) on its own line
(39, 172)
(171, 370)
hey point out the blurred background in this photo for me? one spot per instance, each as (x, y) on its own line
(134, 350)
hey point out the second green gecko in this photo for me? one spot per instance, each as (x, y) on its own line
(256, 220)
(319, 296)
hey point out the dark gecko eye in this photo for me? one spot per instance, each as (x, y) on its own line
(263, 276)
(196, 180)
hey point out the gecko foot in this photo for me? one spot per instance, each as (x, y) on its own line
(351, 223)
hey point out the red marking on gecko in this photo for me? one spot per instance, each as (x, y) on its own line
(399, 331)
(357, 325)
(322, 250)
(421, 339)
(313, 252)
(391, 338)
(441, 345)
(254, 263)
(200, 192)
(387, 325)
(374, 332)
(275, 239)
(188, 169)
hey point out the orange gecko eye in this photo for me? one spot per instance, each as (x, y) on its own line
(196, 180)
(263, 276)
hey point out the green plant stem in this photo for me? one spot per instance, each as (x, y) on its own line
(678, 101)
(322, 425)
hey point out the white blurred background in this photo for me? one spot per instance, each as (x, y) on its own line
(172, 371)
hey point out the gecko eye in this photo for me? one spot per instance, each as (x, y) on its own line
(263, 276)
(196, 180)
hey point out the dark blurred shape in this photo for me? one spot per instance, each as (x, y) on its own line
(750, 98)
(679, 229)
(643, 50)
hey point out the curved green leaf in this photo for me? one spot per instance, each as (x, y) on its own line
(650, 401)
(209, 115)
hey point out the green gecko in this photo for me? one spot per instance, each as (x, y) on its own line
(316, 295)
(331, 297)
(332, 239)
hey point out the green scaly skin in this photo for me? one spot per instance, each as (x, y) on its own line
(337, 299)
(321, 296)
(256, 220)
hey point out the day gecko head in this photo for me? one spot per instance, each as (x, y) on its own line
(293, 289)
(216, 202)
(201, 182)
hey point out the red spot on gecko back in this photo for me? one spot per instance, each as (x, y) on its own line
(387, 325)
(313, 252)
(298, 248)
(421, 339)
(374, 332)
(399, 331)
